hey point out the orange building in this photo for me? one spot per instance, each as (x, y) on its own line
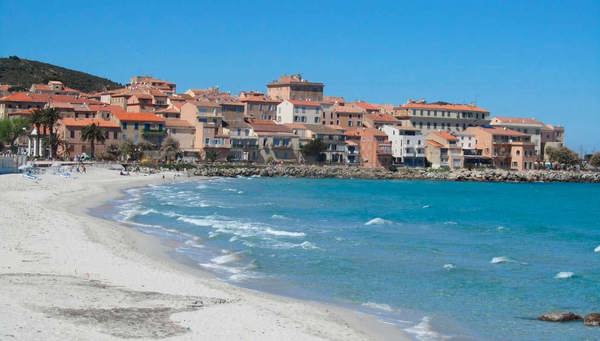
(375, 149)
(508, 149)
(70, 129)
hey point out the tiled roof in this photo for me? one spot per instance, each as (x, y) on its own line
(269, 127)
(434, 143)
(82, 122)
(378, 117)
(499, 131)
(443, 106)
(445, 135)
(138, 117)
(348, 109)
(367, 106)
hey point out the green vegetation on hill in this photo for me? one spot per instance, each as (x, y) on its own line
(22, 73)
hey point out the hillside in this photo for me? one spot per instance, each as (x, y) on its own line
(22, 72)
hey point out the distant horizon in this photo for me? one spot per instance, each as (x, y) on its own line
(492, 53)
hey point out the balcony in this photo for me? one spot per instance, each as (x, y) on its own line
(384, 149)
(153, 133)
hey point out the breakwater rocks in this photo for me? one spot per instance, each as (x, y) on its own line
(310, 171)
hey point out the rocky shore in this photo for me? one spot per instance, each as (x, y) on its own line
(311, 171)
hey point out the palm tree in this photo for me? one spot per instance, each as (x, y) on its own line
(169, 149)
(37, 119)
(49, 118)
(92, 133)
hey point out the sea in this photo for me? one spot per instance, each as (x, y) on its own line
(439, 260)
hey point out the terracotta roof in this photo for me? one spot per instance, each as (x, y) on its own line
(324, 129)
(367, 106)
(499, 131)
(106, 107)
(23, 112)
(443, 106)
(445, 135)
(24, 97)
(82, 122)
(177, 123)
(434, 143)
(517, 120)
(266, 126)
(138, 117)
(304, 103)
(205, 104)
(365, 131)
(379, 117)
(348, 109)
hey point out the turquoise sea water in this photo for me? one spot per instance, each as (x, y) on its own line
(442, 260)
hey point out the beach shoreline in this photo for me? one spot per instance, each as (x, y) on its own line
(103, 274)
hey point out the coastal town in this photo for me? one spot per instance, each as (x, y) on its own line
(292, 122)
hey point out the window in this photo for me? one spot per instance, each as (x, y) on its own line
(124, 125)
(316, 120)
(72, 134)
(349, 123)
(136, 126)
(146, 126)
(115, 134)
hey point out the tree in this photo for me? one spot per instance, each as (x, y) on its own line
(93, 134)
(169, 149)
(211, 155)
(595, 160)
(314, 148)
(562, 155)
(113, 151)
(49, 118)
(13, 128)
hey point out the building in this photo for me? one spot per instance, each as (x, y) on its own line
(296, 111)
(346, 116)
(53, 88)
(141, 127)
(375, 151)
(540, 133)
(508, 149)
(472, 156)
(408, 145)
(259, 106)
(207, 118)
(333, 138)
(183, 132)
(442, 150)
(429, 117)
(244, 141)
(69, 129)
(295, 87)
(276, 142)
(378, 120)
(20, 101)
(232, 110)
(150, 82)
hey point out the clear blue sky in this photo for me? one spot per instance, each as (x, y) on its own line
(515, 58)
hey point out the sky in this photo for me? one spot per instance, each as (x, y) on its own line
(537, 59)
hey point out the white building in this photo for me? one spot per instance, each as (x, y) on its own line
(408, 145)
(295, 111)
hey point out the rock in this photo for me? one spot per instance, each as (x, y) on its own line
(592, 320)
(559, 317)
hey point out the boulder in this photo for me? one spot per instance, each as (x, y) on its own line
(559, 317)
(592, 320)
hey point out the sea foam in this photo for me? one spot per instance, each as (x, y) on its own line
(424, 331)
(501, 259)
(378, 221)
(378, 306)
(597, 249)
(564, 275)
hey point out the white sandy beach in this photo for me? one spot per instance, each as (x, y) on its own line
(67, 275)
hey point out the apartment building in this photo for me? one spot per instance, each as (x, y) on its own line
(207, 118)
(150, 82)
(408, 145)
(244, 141)
(346, 116)
(472, 156)
(183, 132)
(375, 151)
(540, 133)
(294, 87)
(258, 106)
(276, 142)
(53, 88)
(442, 150)
(141, 127)
(378, 120)
(429, 117)
(508, 149)
(296, 111)
(69, 129)
(333, 138)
